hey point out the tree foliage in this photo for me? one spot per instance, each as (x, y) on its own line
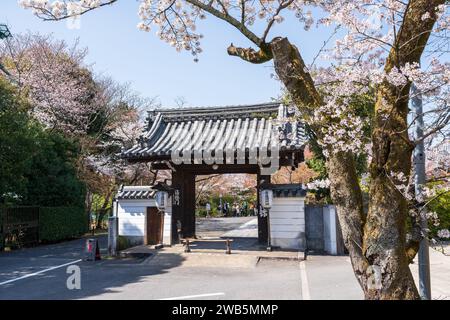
(38, 165)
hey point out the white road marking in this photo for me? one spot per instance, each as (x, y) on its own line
(39, 272)
(196, 296)
(304, 280)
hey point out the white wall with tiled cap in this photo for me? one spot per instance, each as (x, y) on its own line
(131, 215)
(287, 222)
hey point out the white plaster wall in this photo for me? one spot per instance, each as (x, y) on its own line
(131, 214)
(287, 222)
(329, 232)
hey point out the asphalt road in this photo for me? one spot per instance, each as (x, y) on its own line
(135, 279)
(41, 273)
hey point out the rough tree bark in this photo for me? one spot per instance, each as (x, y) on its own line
(345, 190)
(385, 229)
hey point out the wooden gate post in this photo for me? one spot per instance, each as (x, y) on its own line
(263, 230)
(185, 212)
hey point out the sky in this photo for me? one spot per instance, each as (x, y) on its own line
(154, 69)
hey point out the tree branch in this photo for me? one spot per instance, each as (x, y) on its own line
(250, 54)
(293, 72)
(230, 19)
(282, 6)
(51, 17)
(442, 125)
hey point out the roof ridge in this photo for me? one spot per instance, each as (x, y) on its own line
(242, 107)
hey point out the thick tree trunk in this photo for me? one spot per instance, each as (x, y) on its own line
(385, 228)
(347, 197)
(376, 247)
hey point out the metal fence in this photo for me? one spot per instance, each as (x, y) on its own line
(19, 227)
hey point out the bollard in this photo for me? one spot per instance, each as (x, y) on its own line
(187, 248)
(228, 247)
(92, 250)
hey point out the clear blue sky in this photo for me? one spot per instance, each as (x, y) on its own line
(154, 69)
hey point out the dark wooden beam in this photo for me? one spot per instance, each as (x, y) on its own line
(201, 169)
(184, 213)
(262, 221)
(287, 156)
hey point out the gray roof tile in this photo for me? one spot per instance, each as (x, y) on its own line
(216, 130)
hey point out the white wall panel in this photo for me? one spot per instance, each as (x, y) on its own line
(287, 222)
(131, 219)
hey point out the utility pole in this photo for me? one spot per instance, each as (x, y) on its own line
(420, 180)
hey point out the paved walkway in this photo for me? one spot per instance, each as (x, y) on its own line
(247, 230)
(245, 249)
(440, 272)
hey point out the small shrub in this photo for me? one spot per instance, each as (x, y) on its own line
(123, 243)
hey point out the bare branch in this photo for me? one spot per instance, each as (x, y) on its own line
(230, 19)
(283, 5)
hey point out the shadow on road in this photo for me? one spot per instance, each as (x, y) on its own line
(97, 278)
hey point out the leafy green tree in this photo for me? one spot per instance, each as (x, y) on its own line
(37, 166)
(16, 143)
(51, 175)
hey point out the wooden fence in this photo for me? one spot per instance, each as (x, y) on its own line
(19, 226)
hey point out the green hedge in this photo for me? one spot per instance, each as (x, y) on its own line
(61, 223)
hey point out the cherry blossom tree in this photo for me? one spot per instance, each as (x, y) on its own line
(52, 74)
(101, 115)
(381, 46)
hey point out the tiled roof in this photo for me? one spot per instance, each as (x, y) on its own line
(135, 192)
(286, 190)
(217, 129)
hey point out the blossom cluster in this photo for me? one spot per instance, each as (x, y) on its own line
(443, 233)
(55, 79)
(342, 128)
(58, 9)
(318, 184)
(402, 183)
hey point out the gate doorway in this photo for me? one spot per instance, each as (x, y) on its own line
(225, 207)
(154, 222)
(225, 215)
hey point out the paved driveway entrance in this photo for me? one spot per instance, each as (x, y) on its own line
(173, 274)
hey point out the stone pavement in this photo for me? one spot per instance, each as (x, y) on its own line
(245, 249)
